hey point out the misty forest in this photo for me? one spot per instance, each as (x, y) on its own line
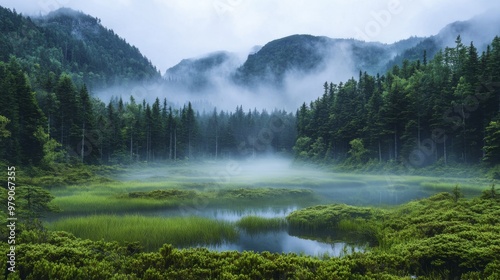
(390, 173)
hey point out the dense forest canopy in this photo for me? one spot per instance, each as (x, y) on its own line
(426, 111)
(66, 41)
(423, 112)
(90, 131)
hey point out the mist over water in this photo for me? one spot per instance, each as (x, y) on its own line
(254, 196)
(326, 185)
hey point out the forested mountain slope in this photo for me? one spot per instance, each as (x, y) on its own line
(424, 112)
(307, 55)
(72, 42)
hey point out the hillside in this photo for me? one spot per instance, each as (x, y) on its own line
(197, 73)
(479, 30)
(303, 54)
(309, 55)
(69, 41)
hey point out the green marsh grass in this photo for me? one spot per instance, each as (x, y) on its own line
(173, 188)
(256, 224)
(150, 232)
(110, 198)
(88, 203)
(468, 188)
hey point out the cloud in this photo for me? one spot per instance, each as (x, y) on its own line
(168, 31)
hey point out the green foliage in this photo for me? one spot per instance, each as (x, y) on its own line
(457, 193)
(301, 147)
(52, 154)
(494, 172)
(4, 133)
(357, 151)
(164, 194)
(71, 42)
(55, 175)
(256, 224)
(31, 204)
(414, 115)
(34, 202)
(111, 198)
(327, 217)
(18, 105)
(150, 232)
(263, 193)
(433, 238)
(491, 193)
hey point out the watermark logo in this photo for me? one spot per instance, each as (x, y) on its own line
(380, 19)
(222, 7)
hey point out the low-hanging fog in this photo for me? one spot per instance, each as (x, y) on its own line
(341, 59)
(222, 92)
(326, 185)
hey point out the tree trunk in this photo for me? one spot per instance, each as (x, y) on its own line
(48, 128)
(175, 144)
(62, 130)
(83, 141)
(216, 143)
(379, 152)
(395, 143)
(170, 147)
(444, 151)
(464, 136)
(418, 132)
(131, 146)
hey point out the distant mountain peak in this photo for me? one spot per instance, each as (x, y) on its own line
(65, 12)
(305, 55)
(197, 73)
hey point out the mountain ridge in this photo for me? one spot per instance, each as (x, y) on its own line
(69, 41)
(308, 54)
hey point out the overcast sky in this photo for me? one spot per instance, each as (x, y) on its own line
(167, 31)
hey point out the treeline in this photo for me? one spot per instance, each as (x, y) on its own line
(66, 124)
(423, 112)
(66, 41)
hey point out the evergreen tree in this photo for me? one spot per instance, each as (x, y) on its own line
(26, 119)
(492, 143)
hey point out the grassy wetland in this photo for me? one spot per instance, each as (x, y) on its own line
(214, 203)
(266, 219)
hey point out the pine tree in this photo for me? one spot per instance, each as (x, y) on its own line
(65, 120)
(31, 120)
(394, 111)
(4, 133)
(155, 134)
(89, 146)
(492, 143)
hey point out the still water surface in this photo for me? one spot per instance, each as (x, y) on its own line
(279, 241)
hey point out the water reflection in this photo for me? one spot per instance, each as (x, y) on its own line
(230, 215)
(282, 242)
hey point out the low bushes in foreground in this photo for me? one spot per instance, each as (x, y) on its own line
(59, 255)
(441, 237)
